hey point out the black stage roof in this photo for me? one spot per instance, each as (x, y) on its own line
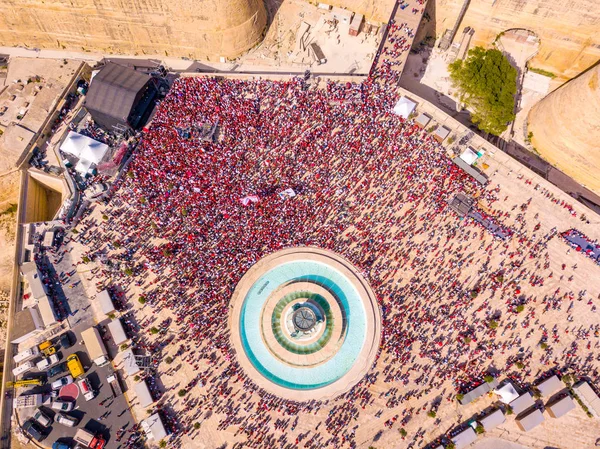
(113, 94)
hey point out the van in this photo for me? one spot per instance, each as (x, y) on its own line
(42, 418)
(21, 369)
(86, 389)
(75, 366)
(66, 420)
(63, 406)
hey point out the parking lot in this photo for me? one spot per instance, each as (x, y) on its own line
(102, 415)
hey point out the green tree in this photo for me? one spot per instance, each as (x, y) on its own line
(487, 84)
(520, 308)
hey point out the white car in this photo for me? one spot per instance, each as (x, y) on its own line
(47, 362)
(61, 382)
(66, 420)
(42, 418)
(63, 406)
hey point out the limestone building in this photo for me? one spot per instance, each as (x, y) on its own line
(185, 28)
(566, 128)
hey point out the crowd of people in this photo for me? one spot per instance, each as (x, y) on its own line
(192, 216)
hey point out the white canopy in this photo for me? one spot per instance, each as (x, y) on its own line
(404, 107)
(154, 428)
(83, 166)
(469, 156)
(106, 303)
(507, 393)
(143, 394)
(117, 331)
(84, 148)
(129, 362)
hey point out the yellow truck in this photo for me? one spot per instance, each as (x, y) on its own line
(75, 366)
(47, 348)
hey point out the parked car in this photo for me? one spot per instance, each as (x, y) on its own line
(61, 382)
(42, 418)
(61, 405)
(65, 340)
(66, 420)
(31, 428)
(60, 445)
(86, 389)
(47, 362)
(57, 369)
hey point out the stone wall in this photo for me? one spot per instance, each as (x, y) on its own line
(569, 30)
(186, 28)
(211, 28)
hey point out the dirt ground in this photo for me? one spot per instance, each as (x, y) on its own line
(9, 191)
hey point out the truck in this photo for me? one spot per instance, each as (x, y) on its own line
(47, 348)
(36, 382)
(115, 385)
(22, 368)
(47, 362)
(89, 440)
(28, 400)
(26, 355)
(95, 346)
(75, 366)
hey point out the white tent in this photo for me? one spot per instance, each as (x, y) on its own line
(404, 107)
(130, 364)
(469, 156)
(507, 393)
(143, 394)
(154, 428)
(117, 331)
(88, 150)
(83, 166)
(106, 303)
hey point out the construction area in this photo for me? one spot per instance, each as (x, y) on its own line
(321, 38)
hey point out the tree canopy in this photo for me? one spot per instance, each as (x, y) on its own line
(487, 84)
